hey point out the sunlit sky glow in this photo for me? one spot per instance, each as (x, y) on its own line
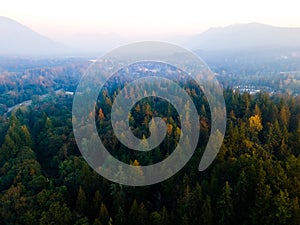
(62, 18)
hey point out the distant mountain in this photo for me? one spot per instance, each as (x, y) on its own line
(245, 37)
(17, 39)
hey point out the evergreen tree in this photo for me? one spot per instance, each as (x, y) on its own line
(81, 202)
(57, 214)
(225, 211)
(207, 214)
(104, 215)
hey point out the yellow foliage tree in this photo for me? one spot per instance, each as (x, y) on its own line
(255, 123)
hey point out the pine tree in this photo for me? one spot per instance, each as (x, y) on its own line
(225, 211)
(17, 136)
(295, 218)
(96, 203)
(195, 203)
(120, 217)
(81, 202)
(260, 213)
(104, 215)
(282, 205)
(206, 212)
(137, 214)
(133, 213)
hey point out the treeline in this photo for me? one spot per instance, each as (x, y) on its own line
(255, 178)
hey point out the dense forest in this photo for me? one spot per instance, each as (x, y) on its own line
(255, 178)
(26, 79)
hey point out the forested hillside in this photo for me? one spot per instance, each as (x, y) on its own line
(255, 178)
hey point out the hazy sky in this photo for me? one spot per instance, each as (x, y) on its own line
(61, 18)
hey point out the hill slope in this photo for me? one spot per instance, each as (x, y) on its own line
(17, 39)
(245, 36)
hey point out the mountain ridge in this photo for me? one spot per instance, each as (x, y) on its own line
(245, 36)
(18, 39)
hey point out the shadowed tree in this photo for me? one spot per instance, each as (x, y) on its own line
(225, 211)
